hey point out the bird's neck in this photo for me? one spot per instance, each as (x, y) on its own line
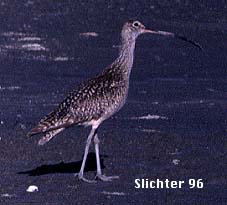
(124, 61)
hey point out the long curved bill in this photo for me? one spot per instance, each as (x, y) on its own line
(183, 38)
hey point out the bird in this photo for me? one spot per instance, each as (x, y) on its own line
(97, 99)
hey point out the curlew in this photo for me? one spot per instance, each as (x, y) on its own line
(97, 99)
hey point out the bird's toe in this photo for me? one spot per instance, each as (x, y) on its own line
(106, 178)
(81, 177)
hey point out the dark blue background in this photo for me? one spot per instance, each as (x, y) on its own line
(43, 56)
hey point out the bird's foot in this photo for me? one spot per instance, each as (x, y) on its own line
(106, 178)
(81, 177)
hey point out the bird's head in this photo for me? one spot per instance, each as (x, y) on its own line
(131, 30)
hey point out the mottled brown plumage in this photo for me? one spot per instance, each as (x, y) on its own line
(98, 98)
(95, 100)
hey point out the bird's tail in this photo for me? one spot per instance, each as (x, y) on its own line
(51, 125)
(49, 130)
(49, 135)
(42, 127)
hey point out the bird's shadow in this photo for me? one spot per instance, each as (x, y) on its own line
(72, 167)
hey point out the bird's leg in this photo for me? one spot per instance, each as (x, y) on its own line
(81, 173)
(99, 171)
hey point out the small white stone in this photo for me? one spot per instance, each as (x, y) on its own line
(32, 188)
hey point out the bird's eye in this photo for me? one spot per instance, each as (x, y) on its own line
(135, 24)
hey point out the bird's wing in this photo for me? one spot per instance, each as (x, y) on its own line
(81, 105)
(57, 119)
(44, 128)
